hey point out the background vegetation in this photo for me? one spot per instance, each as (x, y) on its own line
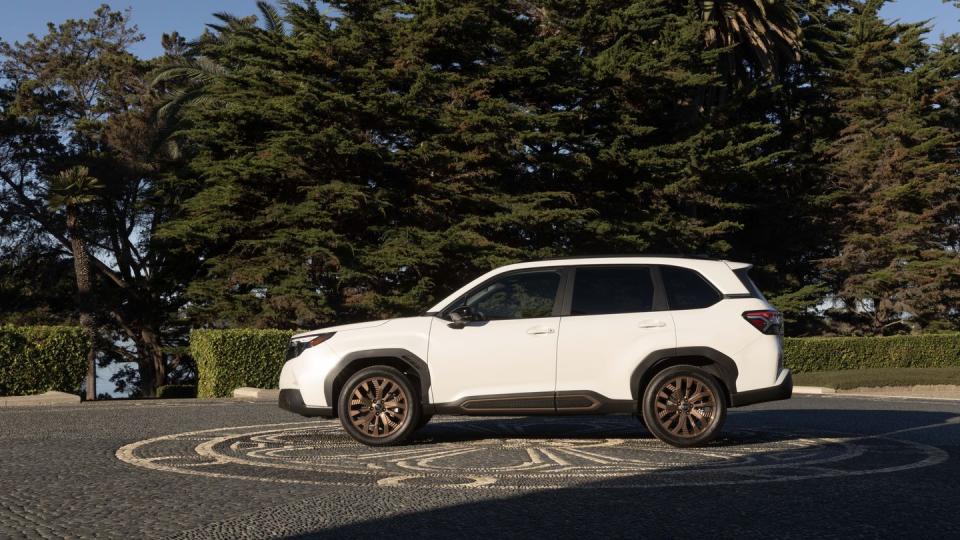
(231, 359)
(298, 167)
(804, 355)
(36, 359)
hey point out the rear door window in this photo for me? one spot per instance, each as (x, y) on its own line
(609, 290)
(687, 289)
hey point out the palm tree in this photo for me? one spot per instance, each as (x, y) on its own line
(761, 35)
(70, 190)
(186, 79)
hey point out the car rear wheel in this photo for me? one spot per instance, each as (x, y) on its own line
(684, 406)
(378, 406)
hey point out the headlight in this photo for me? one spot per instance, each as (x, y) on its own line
(296, 347)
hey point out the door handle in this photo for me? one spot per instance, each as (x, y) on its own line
(540, 330)
(651, 323)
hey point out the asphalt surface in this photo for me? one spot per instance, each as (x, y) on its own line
(818, 466)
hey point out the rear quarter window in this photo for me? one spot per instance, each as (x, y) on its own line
(744, 275)
(687, 289)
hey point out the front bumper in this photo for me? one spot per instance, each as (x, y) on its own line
(782, 390)
(291, 400)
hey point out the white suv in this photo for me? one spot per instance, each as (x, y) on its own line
(673, 340)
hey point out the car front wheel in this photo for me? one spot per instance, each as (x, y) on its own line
(684, 406)
(378, 406)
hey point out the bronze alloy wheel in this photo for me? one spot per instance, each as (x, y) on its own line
(685, 406)
(378, 406)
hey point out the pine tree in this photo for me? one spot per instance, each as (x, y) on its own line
(364, 168)
(284, 174)
(894, 178)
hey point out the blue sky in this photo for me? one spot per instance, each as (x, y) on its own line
(154, 17)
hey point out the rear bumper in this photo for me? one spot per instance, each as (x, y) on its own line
(291, 400)
(782, 390)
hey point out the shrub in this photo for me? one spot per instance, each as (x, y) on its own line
(838, 353)
(229, 359)
(177, 391)
(35, 359)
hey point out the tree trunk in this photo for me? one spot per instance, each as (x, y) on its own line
(81, 267)
(153, 372)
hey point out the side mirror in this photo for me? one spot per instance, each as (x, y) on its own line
(462, 315)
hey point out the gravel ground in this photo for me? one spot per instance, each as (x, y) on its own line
(824, 466)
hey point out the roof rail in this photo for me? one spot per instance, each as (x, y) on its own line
(631, 255)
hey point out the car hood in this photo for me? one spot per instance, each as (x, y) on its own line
(343, 328)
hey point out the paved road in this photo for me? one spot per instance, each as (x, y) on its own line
(825, 466)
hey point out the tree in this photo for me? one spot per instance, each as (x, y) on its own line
(756, 36)
(894, 176)
(360, 166)
(34, 274)
(301, 167)
(70, 190)
(78, 97)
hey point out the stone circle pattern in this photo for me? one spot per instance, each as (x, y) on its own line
(522, 453)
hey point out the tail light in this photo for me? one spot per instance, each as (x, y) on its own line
(767, 321)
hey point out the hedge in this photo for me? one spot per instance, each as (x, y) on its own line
(229, 359)
(838, 353)
(35, 359)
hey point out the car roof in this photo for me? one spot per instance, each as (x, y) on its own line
(717, 271)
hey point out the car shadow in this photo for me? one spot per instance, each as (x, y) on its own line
(455, 429)
(881, 487)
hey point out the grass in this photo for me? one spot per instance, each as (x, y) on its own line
(856, 378)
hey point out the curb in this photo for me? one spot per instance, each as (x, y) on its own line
(807, 390)
(860, 395)
(47, 398)
(256, 394)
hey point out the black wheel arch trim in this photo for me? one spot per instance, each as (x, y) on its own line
(414, 362)
(722, 366)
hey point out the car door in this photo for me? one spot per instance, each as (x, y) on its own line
(506, 360)
(617, 316)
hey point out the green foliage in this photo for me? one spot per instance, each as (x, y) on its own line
(35, 359)
(895, 195)
(72, 187)
(304, 166)
(82, 165)
(839, 353)
(177, 391)
(361, 164)
(36, 285)
(230, 359)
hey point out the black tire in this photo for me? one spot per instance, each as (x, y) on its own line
(365, 409)
(424, 420)
(684, 406)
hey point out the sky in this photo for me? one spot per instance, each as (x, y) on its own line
(154, 17)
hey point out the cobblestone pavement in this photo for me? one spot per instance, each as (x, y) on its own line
(813, 466)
